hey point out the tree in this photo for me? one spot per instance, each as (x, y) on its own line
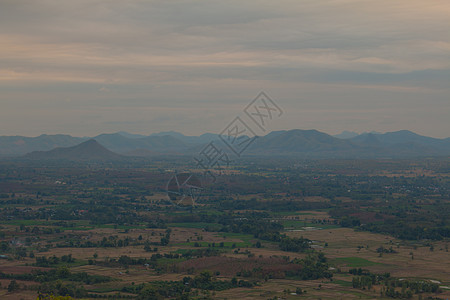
(149, 292)
(51, 297)
(234, 281)
(164, 241)
(13, 286)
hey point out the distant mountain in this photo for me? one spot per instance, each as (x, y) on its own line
(141, 153)
(406, 136)
(163, 144)
(117, 142)
(367, 140)
(20, 145)
(131, 135)
(315, 144)
(346, 135)
(189, 140)
(90, 150)
(403, 143)
(302, 143)
(171, 133)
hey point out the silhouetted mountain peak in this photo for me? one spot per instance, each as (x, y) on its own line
(90, 144)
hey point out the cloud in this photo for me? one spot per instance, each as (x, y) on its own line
(104, 89)
(145, 53)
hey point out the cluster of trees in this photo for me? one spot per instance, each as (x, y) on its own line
(410, 231)
(158, 223)
(17, 252)
(125, 260)
(270, 205)
(408, 287)
(152, 262)
(401, 222)
(13, 286)
(159, 290)
(39, 230)
(52, 297)
(256, 225)
(264, 229)
(59, 288)
(184, 289)
(294, 244)
(43, 261)
(110, 242)
(362, 282)
(349, 221)
(206, 281)
(61, 273)
(364, 279)
(381, 249)
(219, 245)
(166, 239)
(314, 266)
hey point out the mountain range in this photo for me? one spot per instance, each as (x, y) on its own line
(89, 150)
(301, 143)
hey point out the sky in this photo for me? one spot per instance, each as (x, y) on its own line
(100, 66)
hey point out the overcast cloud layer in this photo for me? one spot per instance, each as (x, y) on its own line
(87, 67)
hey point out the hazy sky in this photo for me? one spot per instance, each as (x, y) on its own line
(87, 67)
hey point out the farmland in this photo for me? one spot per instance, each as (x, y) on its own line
(315, 229)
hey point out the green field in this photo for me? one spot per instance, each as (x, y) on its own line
(240, 236)
(299, 224)
(198, 225)
(355, 262)
(343, 283)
